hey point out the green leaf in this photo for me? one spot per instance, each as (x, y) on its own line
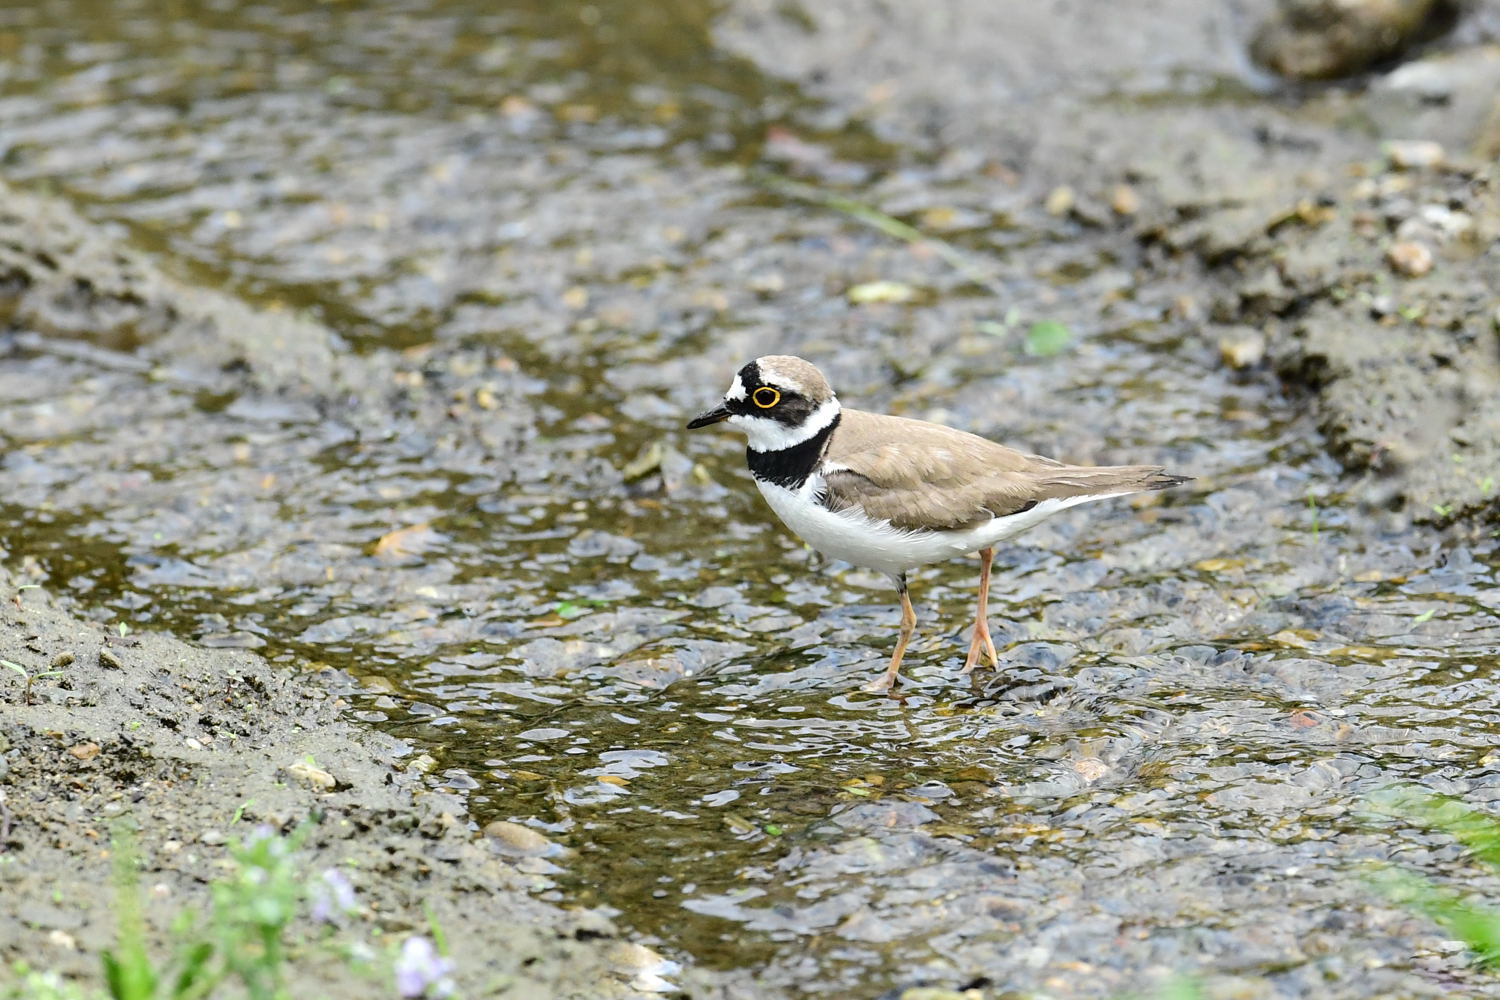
(1426, 615)
(8, 665)
(130, 978)
(573, 609)
(193, 965)
(1047, 337)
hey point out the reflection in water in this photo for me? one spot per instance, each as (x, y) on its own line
(522, 219)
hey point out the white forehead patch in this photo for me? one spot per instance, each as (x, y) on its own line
(736, 389)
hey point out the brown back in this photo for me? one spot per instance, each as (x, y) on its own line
(917, 474)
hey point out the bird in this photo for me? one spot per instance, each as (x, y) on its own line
(893, 493)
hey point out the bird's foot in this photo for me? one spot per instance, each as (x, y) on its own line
(980, 640)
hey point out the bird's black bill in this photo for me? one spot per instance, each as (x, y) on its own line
(718, 413)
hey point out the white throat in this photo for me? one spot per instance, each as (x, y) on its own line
(768, 434)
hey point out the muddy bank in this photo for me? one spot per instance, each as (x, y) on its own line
(1373, 294)
(193, 747)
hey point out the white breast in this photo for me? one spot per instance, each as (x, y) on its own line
(852, 536)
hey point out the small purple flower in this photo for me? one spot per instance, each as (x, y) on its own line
(332, 897)
(421, 971)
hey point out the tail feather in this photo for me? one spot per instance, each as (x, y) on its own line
(1111, 479)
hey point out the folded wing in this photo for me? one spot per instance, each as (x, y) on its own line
(919, 475)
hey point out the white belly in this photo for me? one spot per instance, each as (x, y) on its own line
(855, 538)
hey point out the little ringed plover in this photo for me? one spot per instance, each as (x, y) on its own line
(890, 493)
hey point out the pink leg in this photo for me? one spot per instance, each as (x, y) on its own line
(908, 624)
(982, 618)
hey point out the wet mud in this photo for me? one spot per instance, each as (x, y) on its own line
(192, 747)
(373, 354)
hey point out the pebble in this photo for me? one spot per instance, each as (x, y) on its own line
(645, 967)
(1245, 349)
(513, 838)
(1409, 258)
(1124, 200)
(84, 751)
(62, 939)
(311, 776)
(61, 660)
(213, 838)
(107, 658)
(767, 285)
(1415, 154)
(1060, 200)
(1090, 769)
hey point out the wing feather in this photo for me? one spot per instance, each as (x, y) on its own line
(920, 475)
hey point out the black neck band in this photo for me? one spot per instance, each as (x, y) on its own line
(790, 467)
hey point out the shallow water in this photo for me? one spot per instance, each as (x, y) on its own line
(529, 229)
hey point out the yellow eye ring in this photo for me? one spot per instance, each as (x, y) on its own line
(765, 397)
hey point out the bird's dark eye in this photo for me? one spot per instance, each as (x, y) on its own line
(765, 397)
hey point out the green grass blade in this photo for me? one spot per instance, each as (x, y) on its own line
(955, 258)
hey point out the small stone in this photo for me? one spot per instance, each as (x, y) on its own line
(767, 285)
(62, 939)
(646, 968)
(1243, 350)
(513, 838)
(84, 751)
(1409, 258)
(193, 744)
(632, 956)
(535, 866)
(61, 660)
(1060, 200)
(107, 658)
(1090, 769)
(1124, 200)
(1414, 154)
(213, 838)
(421, 764)
(311, 776)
